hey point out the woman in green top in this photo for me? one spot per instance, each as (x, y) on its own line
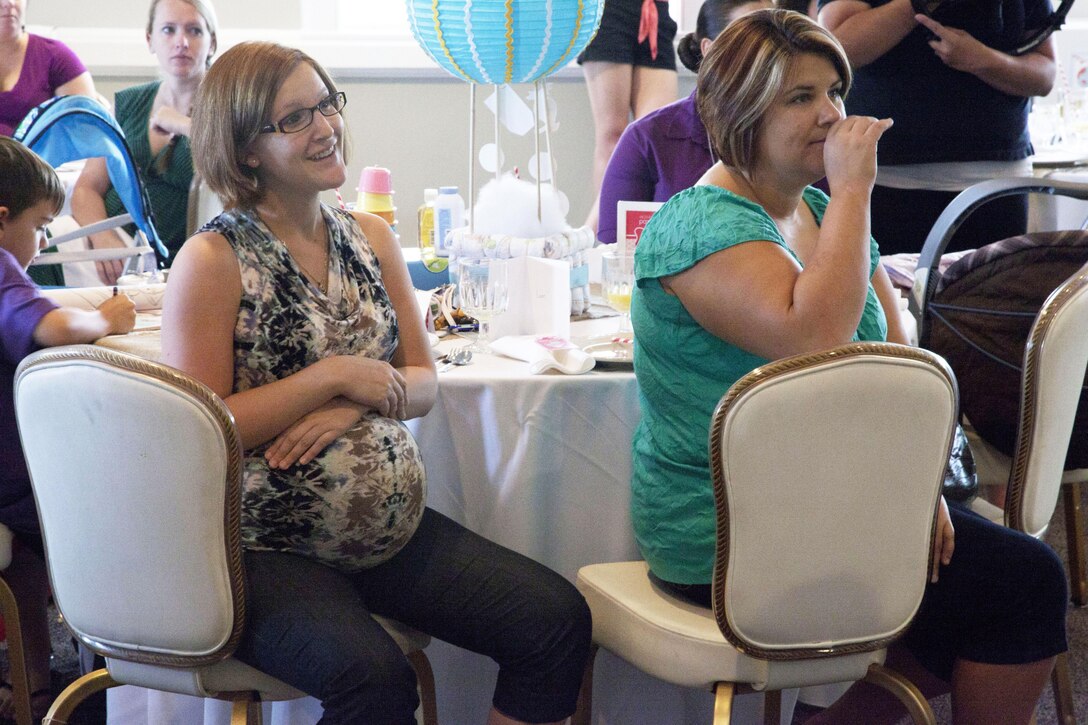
(155, 119)
(753, 264)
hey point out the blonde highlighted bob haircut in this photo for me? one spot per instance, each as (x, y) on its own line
(743, 73)
(234, 101)
(205, 10)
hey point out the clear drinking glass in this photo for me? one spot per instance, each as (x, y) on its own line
(619, 279)
(484, 294)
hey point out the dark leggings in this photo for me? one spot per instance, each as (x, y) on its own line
(902, 219)
(1002, 600)
(310, 625)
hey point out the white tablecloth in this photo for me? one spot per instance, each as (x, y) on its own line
(540, 464)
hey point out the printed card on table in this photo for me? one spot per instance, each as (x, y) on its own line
(631, 218)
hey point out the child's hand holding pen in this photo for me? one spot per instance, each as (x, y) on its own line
(120, 313)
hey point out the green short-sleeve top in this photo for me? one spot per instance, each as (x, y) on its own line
(166, 176)
(683, 371)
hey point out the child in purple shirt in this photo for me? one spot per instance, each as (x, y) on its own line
(667, 150)
(30, 196)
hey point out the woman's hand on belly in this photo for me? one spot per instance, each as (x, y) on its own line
(375, 384)
(312, 433)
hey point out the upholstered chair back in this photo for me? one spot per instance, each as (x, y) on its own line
(827, 470)
(136, 471)
(1055, 361)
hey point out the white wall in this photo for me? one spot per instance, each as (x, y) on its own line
(133, 13)
(418, 128)
(402, 112)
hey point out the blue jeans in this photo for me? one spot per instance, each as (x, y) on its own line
(310, 625)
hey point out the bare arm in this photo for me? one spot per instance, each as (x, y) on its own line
(199, 315)
(866, 33)
(89, 206)
(757, 297)
(889, 301)
(1031, 74)
(413, 356)
(309, 435)
(81, 85)
(72, 326)
(169, 120)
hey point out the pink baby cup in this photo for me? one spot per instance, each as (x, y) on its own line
(376, 180)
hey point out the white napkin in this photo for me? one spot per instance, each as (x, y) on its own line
(544, 353)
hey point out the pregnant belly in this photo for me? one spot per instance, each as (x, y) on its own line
(352, 507)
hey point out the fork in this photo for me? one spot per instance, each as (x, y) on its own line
(459, 356)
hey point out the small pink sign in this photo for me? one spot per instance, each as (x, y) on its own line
(631, 219)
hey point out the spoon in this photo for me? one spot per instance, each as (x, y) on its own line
(460, 356)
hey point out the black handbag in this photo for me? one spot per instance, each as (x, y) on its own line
(960, 477)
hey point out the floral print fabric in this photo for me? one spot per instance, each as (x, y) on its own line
(359, 501)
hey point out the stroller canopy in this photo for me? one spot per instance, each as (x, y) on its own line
(69, 128)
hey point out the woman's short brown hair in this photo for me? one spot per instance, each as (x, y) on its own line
(743, 73)
(26, 179)
(234, 101)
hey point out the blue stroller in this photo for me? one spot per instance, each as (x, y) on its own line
(71, 128)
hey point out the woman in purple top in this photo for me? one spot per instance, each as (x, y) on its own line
(667, 150)
(33, 69)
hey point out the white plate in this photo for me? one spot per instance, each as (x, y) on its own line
(611, 352)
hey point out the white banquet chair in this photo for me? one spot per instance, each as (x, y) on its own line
(1044, 429)
(811, 525)
(136, 470)
(1055, 361)
(1051, 382)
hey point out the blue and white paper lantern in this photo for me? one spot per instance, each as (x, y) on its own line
(503, 41)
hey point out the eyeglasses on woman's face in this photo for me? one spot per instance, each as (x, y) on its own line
(302, 118)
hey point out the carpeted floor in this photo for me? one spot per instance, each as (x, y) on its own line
(65, 666)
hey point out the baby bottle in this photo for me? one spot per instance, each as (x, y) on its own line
(376, 193)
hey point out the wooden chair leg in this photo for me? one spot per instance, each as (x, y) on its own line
(772, 707)
(1075, 538)
(723, 703)
(70, 698)
(246, 711)
(583, 711)
(904, 690)
(425, 677)
(1062, 685)
(20, 683)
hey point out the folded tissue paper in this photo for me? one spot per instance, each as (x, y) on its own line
(544, 353)
(510, 221)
